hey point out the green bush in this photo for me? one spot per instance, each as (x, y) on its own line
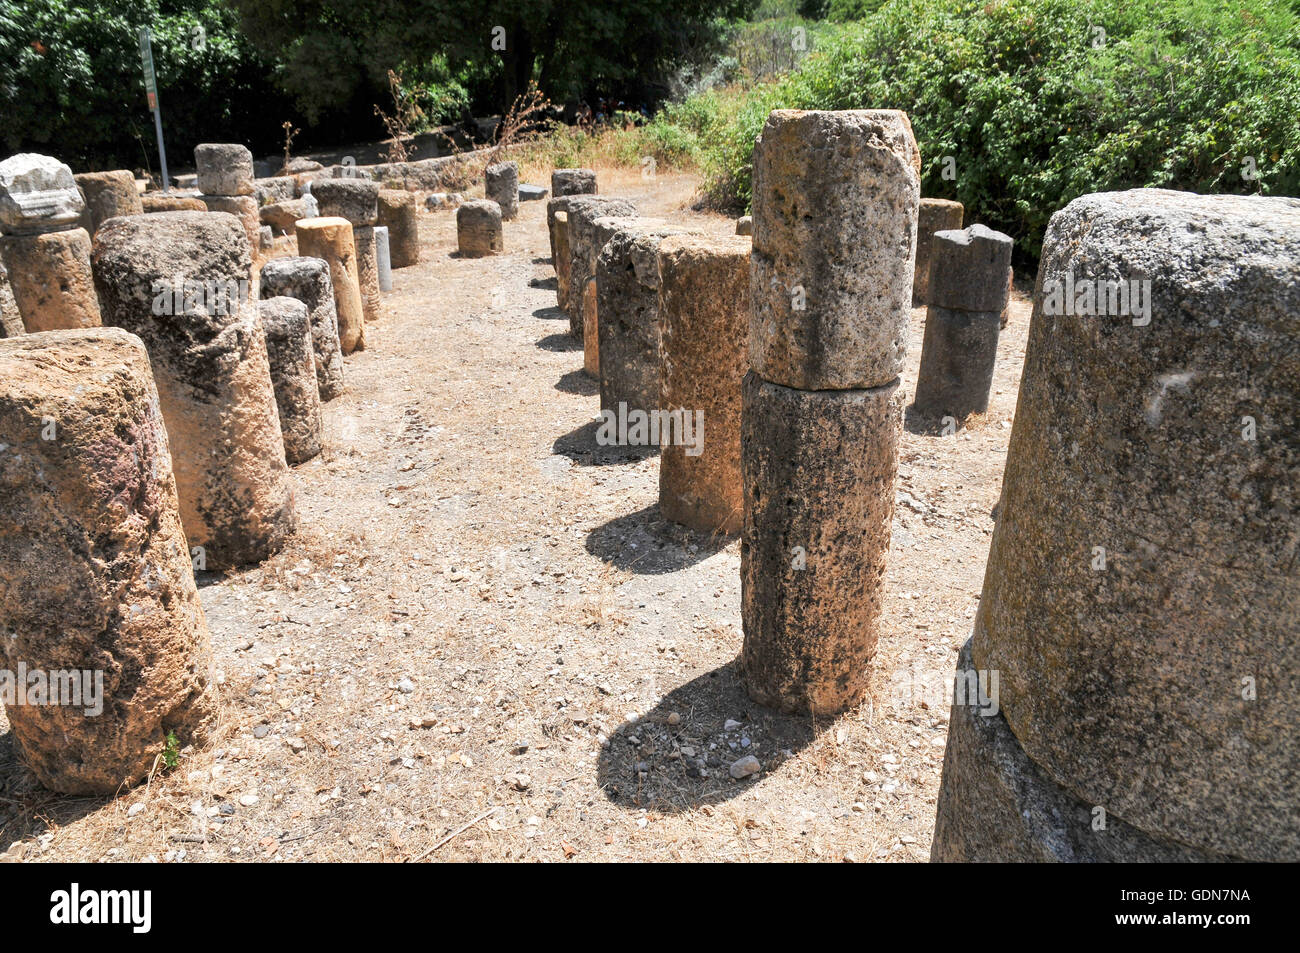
(1029, 105)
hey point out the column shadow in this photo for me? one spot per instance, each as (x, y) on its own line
(648, 544)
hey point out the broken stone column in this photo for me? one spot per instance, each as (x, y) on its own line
(1141, 594)
(107, 195)
(835, 206)
(704, 322)
(293, 375)
(45, 252)
(224, 171)
(968, 293)
(583, 210)
(330, 239)
(368, 271)
(383, 258)
(745, 225)
(400, 215)
(98, 602)
(180, 281)
(478, 229)
(560, 255)
(244, 208)
(573, 182)
(934, 215)
(153, 202)
(501, 185)
(308, 280)
(590, 332)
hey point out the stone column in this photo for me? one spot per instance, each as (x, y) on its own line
(180, 281)
(45, 252)
(225, 180)
(573, 182)
(935, 215)
(400, 215)
(968, 293)
(835, 206)
(1141, 594)
(501, 185)
(293, 375)
(704, 354)
(583, 210)
(356, 200)
(745, 225)
(330, 239)
(107, 195)
(308, 280)
(98, 578)
(153, 202)
(478, 229)
(383, 258)
(560, 256)
(603, 229)
(11, 322)
(368, 271)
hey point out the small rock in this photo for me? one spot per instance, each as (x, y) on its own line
(406, 686)
(248, 800)
(730, 725)
(745, 767)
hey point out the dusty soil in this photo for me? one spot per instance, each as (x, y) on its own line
(486, 644)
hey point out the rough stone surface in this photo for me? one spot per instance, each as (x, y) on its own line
(958, 357)
(532, 193)
(819, 470)
(330, 239)
(560, 255)
(602, 230)
(745, 225)
(501, 185)
(11, 322)
(553, 208)
(383, 258)
(214, 382)
(293, 375)
(969, 269)
(51, 279)
(590, 332)
(244, 208)
(308, 280)
(997, 806)
(97, 573)
(1126, 684)
(583, 210)
(107, 195)
(153, 202)
(835, 209)
(357, 200)
(704, 321)
(224, 168)
(627, 302)
(478, 229)
(284, 216)
(37, 194)
(935, 215)
(573, 182)
(276, 188)
(368, 271)
(398, 213)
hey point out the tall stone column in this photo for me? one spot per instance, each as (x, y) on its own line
(1141, 594)
(293, 375)
(357, 200)
(583, 210)
(179, 280)
(573, 182)
(478, 229)
(225, 179)
(98, 603)
(835, 213)
(968, 293)
(935, 215)
(308, 280)
(45, 252)
(107, 195)
(330, 240)
(501, 185)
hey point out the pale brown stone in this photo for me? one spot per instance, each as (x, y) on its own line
(224, 168)
(398, 213)
(153, 202)
(107, 195)
(293, 375)
(478, 229)
(51, 279)
(590, 332)
(368, 271)
(244, 208)
(560, 251)
(330, 239)
(934, 215)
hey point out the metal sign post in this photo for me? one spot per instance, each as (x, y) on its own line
(151, 88)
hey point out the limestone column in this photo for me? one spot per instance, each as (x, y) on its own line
(45, 252)
(478, 229)
(225, 179)
(293, 375)
(583, 210)
(179, 280)
(383, 258)
(99, 585)
(935, 215)
(368, 271)
(968, 293)
(835, 207)
(107, 195)
(330, 239)
(501, 185)
(560, 255)
(400, 215)
(1141, 593)
(704, 354)
(603, 229)
(308, 280)
(356, 200)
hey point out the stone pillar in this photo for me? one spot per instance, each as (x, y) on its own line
(45, 253)
(308, 280)
(935, 215)
(330, 239)
(478, 229)
(501, 185)
(225, 179)
(11, 322)
(400, 215)
(968, 293)
(583, 210)
(98, 578)
(293, 375)
(745, 225)
(357, 200)
(573, 182)
(244, 208)
(704, 321)
(368, 271)
(180, 281)
(560, 256)
(603, 229)
(835, 206)
(107, 195)
(1141, 594)
(383, 258)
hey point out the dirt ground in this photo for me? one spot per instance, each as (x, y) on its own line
(485, 643)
